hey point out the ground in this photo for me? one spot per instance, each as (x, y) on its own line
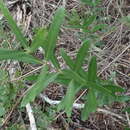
(113, 59)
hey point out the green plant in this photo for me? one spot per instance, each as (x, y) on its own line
(74, 77)
(8, 94)
(47, 115)
(91, 23)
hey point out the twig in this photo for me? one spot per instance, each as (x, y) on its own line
(64, 3)
(80, 106)
(73, 103)
(115, 59)
(80, 95)
(111, 113)
(128, 119)
(28, 107)
(55, 102)
(29, 73)
(31, 117)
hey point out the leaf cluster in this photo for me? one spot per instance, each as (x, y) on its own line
(74, 77)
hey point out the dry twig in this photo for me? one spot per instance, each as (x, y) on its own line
(31, 117)
(80, 106)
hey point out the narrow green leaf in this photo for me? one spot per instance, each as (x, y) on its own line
(73, 75)
(100, 88)
(31, 78)
(98, 27)
(90, 105)
(114, 88)
(67, 59)
(55, 62)
(67, 102)
(61, 105)
(87, 84)
(73, 19)
(61, 79)
(54, 31)
(74, 26)
(70, 96)
(39, 39)
(109, 85)
(92, 69)
(6, 54)
(2, 110)
(88, 21)
(104, 99)
(41, 84)
(71, 64)
(15, 29)
(81, 55)
(36, 88)
(122, 98)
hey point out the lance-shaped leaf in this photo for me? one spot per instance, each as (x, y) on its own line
(53, 32)
(98, 27)
(71, 63)
(88, 21)
(90, 105)
(81, 55)
(15, 29)
(108, 84)
(31, 78)
(70, 96)
(92, 69)
(67, 59)
(55, 62)
(67, 102)
(43, 81)
(87, 84)
(62, 79)
(73, 75)
(39, 40)
(114, 88)
(6, 54)
(101, 88)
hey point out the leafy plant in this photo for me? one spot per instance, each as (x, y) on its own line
(17, 55)
(42, 82)
(15, 29)
(126, 20)
(91, 23)
(47, 115)
(8, 94)
(75, 77)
